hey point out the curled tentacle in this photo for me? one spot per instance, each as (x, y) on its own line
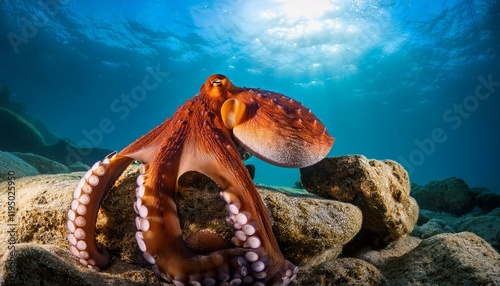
(82, 214)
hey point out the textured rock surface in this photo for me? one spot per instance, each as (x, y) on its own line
(10, 162)
(42, 164)
(36, 264)
(342, 271)
(381, 189)
(431, 228)
(78, 167)
(484, 226)
(450, 195)
(488, 201)
(446, 259)
(311, 230)
(42, 207)
(394, 249)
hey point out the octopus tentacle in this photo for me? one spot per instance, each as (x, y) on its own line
(82, 215)
(159, 237)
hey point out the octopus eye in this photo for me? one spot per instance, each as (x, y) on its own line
(216, 82)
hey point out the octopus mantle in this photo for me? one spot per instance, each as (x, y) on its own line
(208, 134)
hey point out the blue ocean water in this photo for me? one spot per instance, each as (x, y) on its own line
(413, 81)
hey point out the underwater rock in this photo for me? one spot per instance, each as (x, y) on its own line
(342, 271)
(446, 259)
(78, 167)
(484, 226)
(488, 201)
(311, 230)
(451, 195)
(394, 249)
(431, 228)
(17, 167)
(67, 153)
(381, 189)
(36, 264)
(426, 215)
(42, 164)
(41, 209)
(20, 109)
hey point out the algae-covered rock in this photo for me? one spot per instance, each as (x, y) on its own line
(42, 164)
(446, 259)
(13, 166)
(18, 135)
(450, 195)
(381, 189)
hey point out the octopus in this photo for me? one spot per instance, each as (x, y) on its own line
(209, 134)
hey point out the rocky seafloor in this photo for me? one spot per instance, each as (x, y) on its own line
(353, 223)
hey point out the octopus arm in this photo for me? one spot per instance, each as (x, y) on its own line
(94, 186)
(82, 215)
(144, 149)
(276, 129)
(218, 158)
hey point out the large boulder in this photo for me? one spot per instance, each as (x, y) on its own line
(451, 195)
(311, 230)
(381, 189)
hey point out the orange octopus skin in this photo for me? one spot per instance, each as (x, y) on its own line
(204, 135)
